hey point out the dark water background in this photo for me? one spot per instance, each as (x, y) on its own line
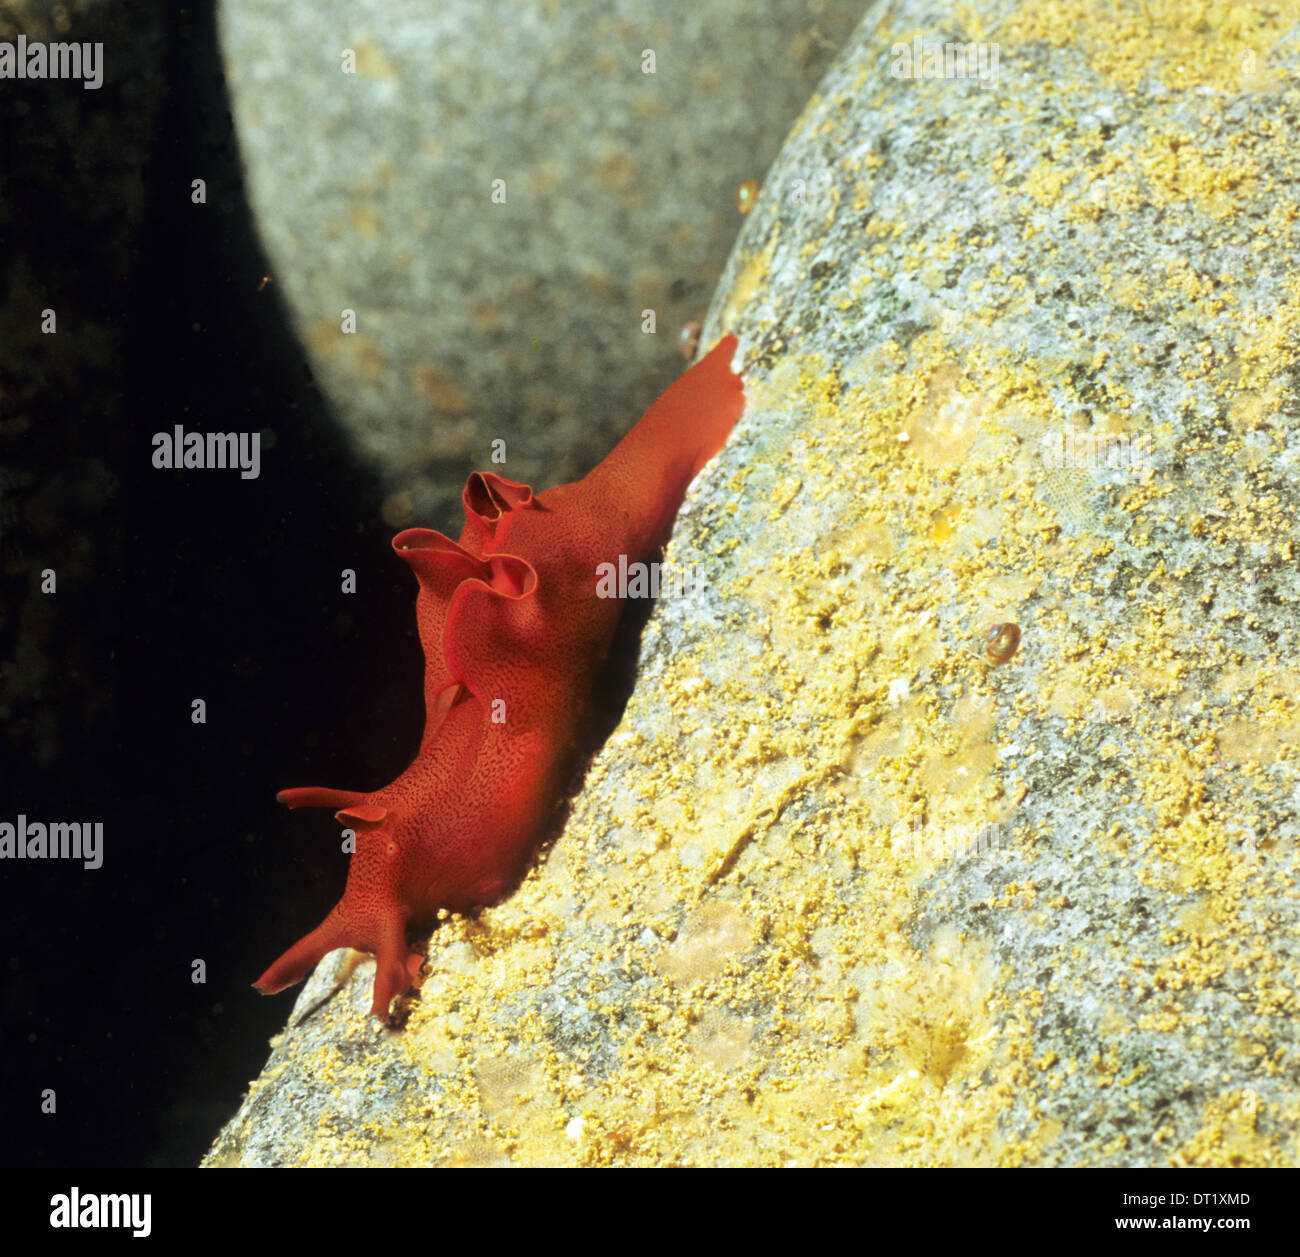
(172, 586)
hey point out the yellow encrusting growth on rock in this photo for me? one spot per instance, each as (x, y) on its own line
(1221, 44)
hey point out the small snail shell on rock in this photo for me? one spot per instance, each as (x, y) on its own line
(1001, 643)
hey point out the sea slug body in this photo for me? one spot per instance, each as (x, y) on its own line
(514, 637)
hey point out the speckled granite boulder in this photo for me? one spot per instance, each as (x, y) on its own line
(509, 310)
(841, 889)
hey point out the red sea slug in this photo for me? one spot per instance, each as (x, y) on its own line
(514, 636)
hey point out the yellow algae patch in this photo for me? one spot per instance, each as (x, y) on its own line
(476, 1152)
(616, 171)
(365, 222)
(722, 1039)
(942, 523)
(510, 1082)
(439, 389)
(373, 63)
(943, 428)
(932, 1011)
(1222, 44)
(544, 179)
(1246, 742)
(485, 315)
(397, 510)
(710, 937)
(957, 779)
(1174, 169)
(382, 176)
(362, 353)
(1264, 353)
(450, 439)
(1230, 1136)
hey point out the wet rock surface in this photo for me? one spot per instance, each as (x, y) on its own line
(504, 203)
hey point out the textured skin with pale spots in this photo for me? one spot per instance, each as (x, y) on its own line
(514, 637)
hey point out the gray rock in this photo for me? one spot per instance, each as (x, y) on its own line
(839, 889)
(521, 321)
